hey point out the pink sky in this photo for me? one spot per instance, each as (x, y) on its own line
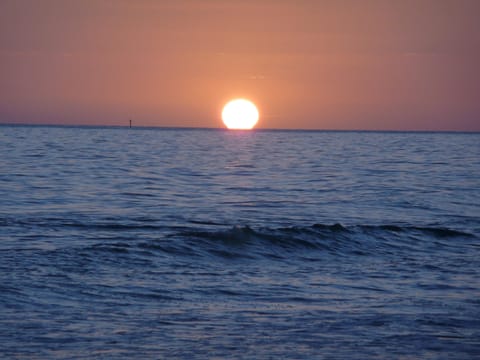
(372, 65)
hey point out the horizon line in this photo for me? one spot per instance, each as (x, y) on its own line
(225, 129)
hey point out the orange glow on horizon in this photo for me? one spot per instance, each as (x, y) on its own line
(310, 64)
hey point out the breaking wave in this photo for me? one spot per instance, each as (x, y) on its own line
(313, 241)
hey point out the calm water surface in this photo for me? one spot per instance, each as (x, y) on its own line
(183, 243)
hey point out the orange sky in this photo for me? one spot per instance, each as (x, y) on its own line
(352, 64)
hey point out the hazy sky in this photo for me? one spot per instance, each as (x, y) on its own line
(325, 64)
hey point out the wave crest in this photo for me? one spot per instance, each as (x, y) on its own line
(333, 239)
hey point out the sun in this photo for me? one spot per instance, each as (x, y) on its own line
(240, 114)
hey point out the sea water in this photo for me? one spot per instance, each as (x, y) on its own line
(197, 243)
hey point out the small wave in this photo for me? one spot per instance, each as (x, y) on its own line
(111, 247)
(333, 228)
(137, 194)
(273, 243)
(321, 238)
(107, 225)
(438, 232)
(200, 238)
(235, 233)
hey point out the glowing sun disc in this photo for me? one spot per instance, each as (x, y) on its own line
(240, 114)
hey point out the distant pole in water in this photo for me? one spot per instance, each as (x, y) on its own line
(130, 123)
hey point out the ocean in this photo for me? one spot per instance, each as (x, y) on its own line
(201, 243)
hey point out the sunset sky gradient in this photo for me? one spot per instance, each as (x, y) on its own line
(352, 64)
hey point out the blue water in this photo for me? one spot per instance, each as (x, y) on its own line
(189, 243)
